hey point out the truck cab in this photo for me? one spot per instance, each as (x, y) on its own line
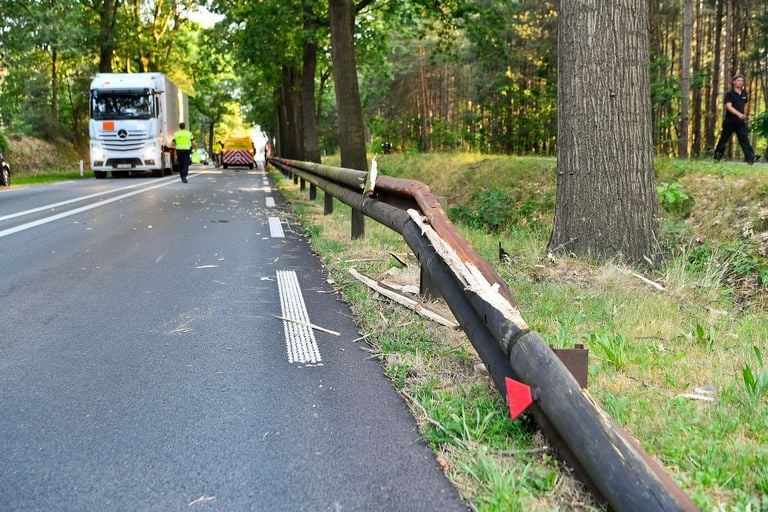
(132, 120)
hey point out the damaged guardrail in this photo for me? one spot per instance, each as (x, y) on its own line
(524, 369)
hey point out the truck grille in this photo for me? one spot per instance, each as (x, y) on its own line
(130, 141)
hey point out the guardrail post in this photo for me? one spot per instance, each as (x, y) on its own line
(358, 224)
(312, 191)
(302, 184)
(295, 178)
(328, 204)
(427, 286)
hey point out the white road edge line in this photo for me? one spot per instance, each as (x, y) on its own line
(70, 201)
(69, 213)
(276, 228)
(300, 342)
(270, 202)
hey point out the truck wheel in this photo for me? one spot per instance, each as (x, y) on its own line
(100, 175)
(5, 177)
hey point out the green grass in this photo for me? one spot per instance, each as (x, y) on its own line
(41, 179)
(647, 347)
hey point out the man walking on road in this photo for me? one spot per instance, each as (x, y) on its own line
(736, 121)
(217, 148)
(182, 139)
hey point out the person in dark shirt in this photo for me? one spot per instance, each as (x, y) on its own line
(736, 121)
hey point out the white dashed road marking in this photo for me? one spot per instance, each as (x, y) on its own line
(75, 211)
(270, 202)
(299, 339)
(276, 228)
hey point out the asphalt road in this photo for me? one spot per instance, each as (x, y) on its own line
(142, 366)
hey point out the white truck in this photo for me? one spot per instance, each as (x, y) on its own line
(133, 117)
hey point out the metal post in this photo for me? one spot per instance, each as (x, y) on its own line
(358, 224)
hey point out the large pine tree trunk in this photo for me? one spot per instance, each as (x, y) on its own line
(685, 77)
(351, 128)
(606, 191)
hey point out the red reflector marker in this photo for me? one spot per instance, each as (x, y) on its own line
(519, 397)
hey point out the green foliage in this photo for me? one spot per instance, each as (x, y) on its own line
(4, 146)
(494, 210)
(756, 380)
(733, 260)
(759, 124)
(674, 199)
(613, 350)
(704, 336)
(508, 488)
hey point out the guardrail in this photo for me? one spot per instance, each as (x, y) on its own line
(608, 460)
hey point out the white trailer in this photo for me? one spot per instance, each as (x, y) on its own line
(133, 117)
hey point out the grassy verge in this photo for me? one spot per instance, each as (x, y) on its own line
(650, 350)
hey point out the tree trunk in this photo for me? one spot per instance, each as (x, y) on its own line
(730, 47)
(295, 112)
(712, 112)
(107, 12)
(54, 84)
(426, 142)
(311, 137)
(685, 77)
(606, 191)
(284, 129)
(351, 128)
(696, 116)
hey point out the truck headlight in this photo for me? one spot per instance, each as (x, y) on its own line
(149, 151)
(97, 154)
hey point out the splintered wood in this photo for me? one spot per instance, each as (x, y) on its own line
(403, 300)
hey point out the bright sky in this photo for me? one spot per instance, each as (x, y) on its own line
(204, 17)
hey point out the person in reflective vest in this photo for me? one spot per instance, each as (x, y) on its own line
(183, 140)
(217, 153)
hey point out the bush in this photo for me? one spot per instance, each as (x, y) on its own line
(493, 210)
(673, 199)
(759, 124)
(4, 145)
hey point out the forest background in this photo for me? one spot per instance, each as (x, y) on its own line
(454, 75)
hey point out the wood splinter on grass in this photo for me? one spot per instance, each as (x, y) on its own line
(403, 300)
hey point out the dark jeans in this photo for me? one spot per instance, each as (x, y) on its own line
(742, 132)
(183, 156)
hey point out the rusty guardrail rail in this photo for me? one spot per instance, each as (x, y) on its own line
(608, 460)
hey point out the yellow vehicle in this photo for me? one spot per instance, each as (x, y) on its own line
(238, 150)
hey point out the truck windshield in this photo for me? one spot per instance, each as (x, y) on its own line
(121, 104)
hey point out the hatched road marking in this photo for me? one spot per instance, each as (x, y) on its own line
(270, 202)
(300, 341)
